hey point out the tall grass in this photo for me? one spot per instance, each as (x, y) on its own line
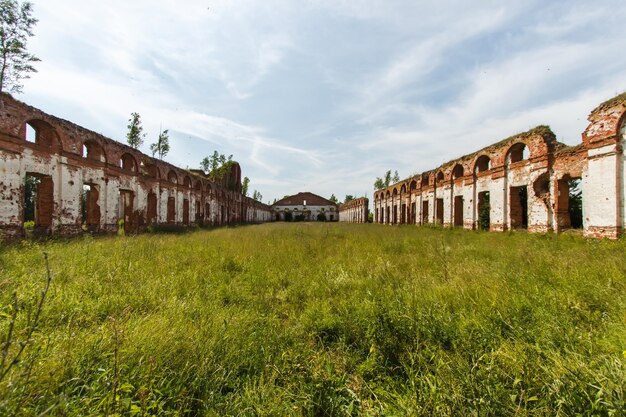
(319, 320)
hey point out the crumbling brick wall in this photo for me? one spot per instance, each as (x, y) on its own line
(354, 211)
(87, 182)
(523, 182)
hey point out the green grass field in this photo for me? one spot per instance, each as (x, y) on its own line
(317, 320)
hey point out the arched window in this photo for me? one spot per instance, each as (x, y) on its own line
(172, 177)
(516, 153)
(458, 171)
(439, 178)
(425, 180)
(93, 151)
(128, 163)
(41, 133)
(187, 181)
(483, 164)
(150, 170)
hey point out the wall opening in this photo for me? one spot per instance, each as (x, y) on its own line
(31, 133)
(126, 209)
(186, 212)
(458, 210)
(484, 211)
(570, 204)
(150, 170)
(90, 207)
(38, 201)
(439, 179)
(395, 214)
(198, 213)
(458, 172)
(483, 164)
(171, 210)
(413, 213)
(128, 163)
(518, 203)
(152, 208)
(576, 203)
(425, 212)
(439, 211)
(93, 151)
(42, 134)
(517, 152)
(403, 218)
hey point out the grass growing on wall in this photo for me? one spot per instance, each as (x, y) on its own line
(317, 320)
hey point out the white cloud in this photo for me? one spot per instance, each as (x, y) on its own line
(390, 84)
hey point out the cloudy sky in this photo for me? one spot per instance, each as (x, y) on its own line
(326, 95)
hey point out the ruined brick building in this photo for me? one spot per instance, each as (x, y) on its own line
(354, 211)
(524, 182)
(67, 179)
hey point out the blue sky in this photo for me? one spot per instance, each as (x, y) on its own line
(326, 95)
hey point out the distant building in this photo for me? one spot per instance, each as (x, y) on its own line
(355, 211)
(305, 207)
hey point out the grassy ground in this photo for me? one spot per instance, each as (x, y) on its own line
(318, 320)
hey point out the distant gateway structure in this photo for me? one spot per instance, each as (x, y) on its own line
(523, 182)
(304, 206)
(66, 179)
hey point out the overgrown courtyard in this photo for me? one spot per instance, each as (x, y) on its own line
(316, 320)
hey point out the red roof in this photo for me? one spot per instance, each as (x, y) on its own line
(299, 199)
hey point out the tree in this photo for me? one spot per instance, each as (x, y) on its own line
(16, 26)
(205, 164)
(217, 165)
(395, 178)
(333, 199)
(135, 133)
(381, 183)
(388, 178)
(349, 197)
(257, 195)
(244, 186)
(162, 145)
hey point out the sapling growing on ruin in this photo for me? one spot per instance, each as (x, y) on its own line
(244, 185)
(135, 133)
(162, 146)
(386, 181)
(216, 165)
